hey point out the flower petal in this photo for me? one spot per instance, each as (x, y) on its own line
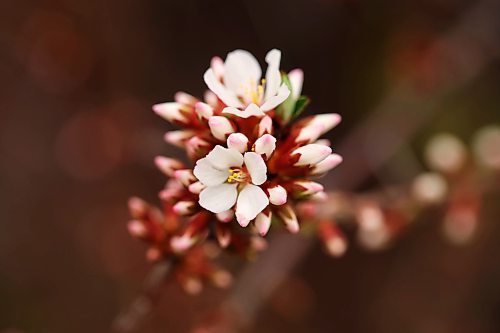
(224, 158)
(218, 199)
(251, 201)
(265, 145)
(237, 141)
(296, 78)
(277, 195)
(251, 110)
(241, 69)
(227, 96)
(273, 76)
(208, 175)
(256, 167)
(277, 99)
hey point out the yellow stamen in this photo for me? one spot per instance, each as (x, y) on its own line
(236, 175)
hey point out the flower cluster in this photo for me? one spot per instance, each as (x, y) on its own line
(252, 164)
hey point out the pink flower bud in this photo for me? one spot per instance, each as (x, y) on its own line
(217, 65)
(220, 127)
(196, 188)
(327, 164)
(137, 229)
(183, 207)
(307, 187)
(180, 244)
(223, 235)
(311, 154)
(137, 207)
(210, 98)
(237, 141)
(178, 138)
(263, 223)
(265, 126)
(170, 111)
(266, 144)
(185, 98)
(317, 126)
(289, 218)
(277, 195)
(185, 176)
(167, 165)
(226, 216)
(203, 110)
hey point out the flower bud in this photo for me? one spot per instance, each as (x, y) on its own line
(217, 65)
(226, 216)
(185, 98)
(183, 207)
(237, 141)
(223, 234)
(220, 127)
(178, 138)
(277, 195)
(210, 98)
(296, 78)
(266, 144)
(430, 188)
(180, 244)
(289, 218)
(196, 187)
(138, 208)
(327, 164)
(265, 126)
(167, 165)
(185, 176)
(445, 153)
(311, 154)
(171, 112)
(203, 110)
(263, 223)
(197, 147)
(306, 187)
(137, 229)
(317, 126)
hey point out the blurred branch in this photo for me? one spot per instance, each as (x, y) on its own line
(462, 54)
(131, 318)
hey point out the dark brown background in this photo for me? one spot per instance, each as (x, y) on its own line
(77, 138)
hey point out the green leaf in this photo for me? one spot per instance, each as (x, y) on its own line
(286, 109)
(300, 106)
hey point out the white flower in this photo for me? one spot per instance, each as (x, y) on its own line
(232, 176)
(241, 84)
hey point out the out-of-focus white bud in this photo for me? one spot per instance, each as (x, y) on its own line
(327, 164)
(289, 218)
(296, 78)
(320, 196)
(307, 187)
(196, 187)
(184, 98)
(137, 229)
(460, 224)
(170, 111)
(430, 188)
(167, 165)
(445, 153)
(265, 126)
(223, 235)
(185, 176)
(217, 65)
(277, 195)
(137, 207)
(266, 144)
(210, 98)
(204, 110)
(319, 125)
(237, 141)
(222, 278)
(180, 244)
(486, 146)
(197, 147)
(183, 207)
(311, 154)
(263, 223)
(220, 127)
(178, 138)
(192, 286)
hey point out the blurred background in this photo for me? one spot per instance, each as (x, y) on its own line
(77, 138)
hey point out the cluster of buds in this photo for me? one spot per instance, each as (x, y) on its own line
(252, 164)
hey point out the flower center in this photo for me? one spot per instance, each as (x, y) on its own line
(253, 92)
(236, 175)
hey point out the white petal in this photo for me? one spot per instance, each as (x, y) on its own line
(224, 158)
(208, 175)
(277, 195)
(296, 78)
(227, 96)
(220, 127)
(251, 201)
(274, 101)
(273, 76)
(311, 154)
(327, 164)
(263, 222)
(218, 199)
(217, 65)
(265, 145)
(241, 69)
(237, 141)
(251, 110)
(256, 167)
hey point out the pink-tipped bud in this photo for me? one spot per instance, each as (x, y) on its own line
(237, 141)
(217, 65)
(327, 164)
(196, 187)
(197, 147)
(266, 144)
(226, 216)
(277, 195)
(296, 78)
(210, 98)
(263, 223)
(170, 111)
(317, 126)
(220, 127)
(183, 207)
(167, 165)
(185, 176)
(307, 187)
(203, 110)
(336, 246)
(265, 126)
(320, 196)
(185, 98)
(137, 229)
(180, 244)
(223, 235)
(289, 218)
(311, 154)
(137, 207)
(178, 138)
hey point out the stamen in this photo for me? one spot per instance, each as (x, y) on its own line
(236, 175)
